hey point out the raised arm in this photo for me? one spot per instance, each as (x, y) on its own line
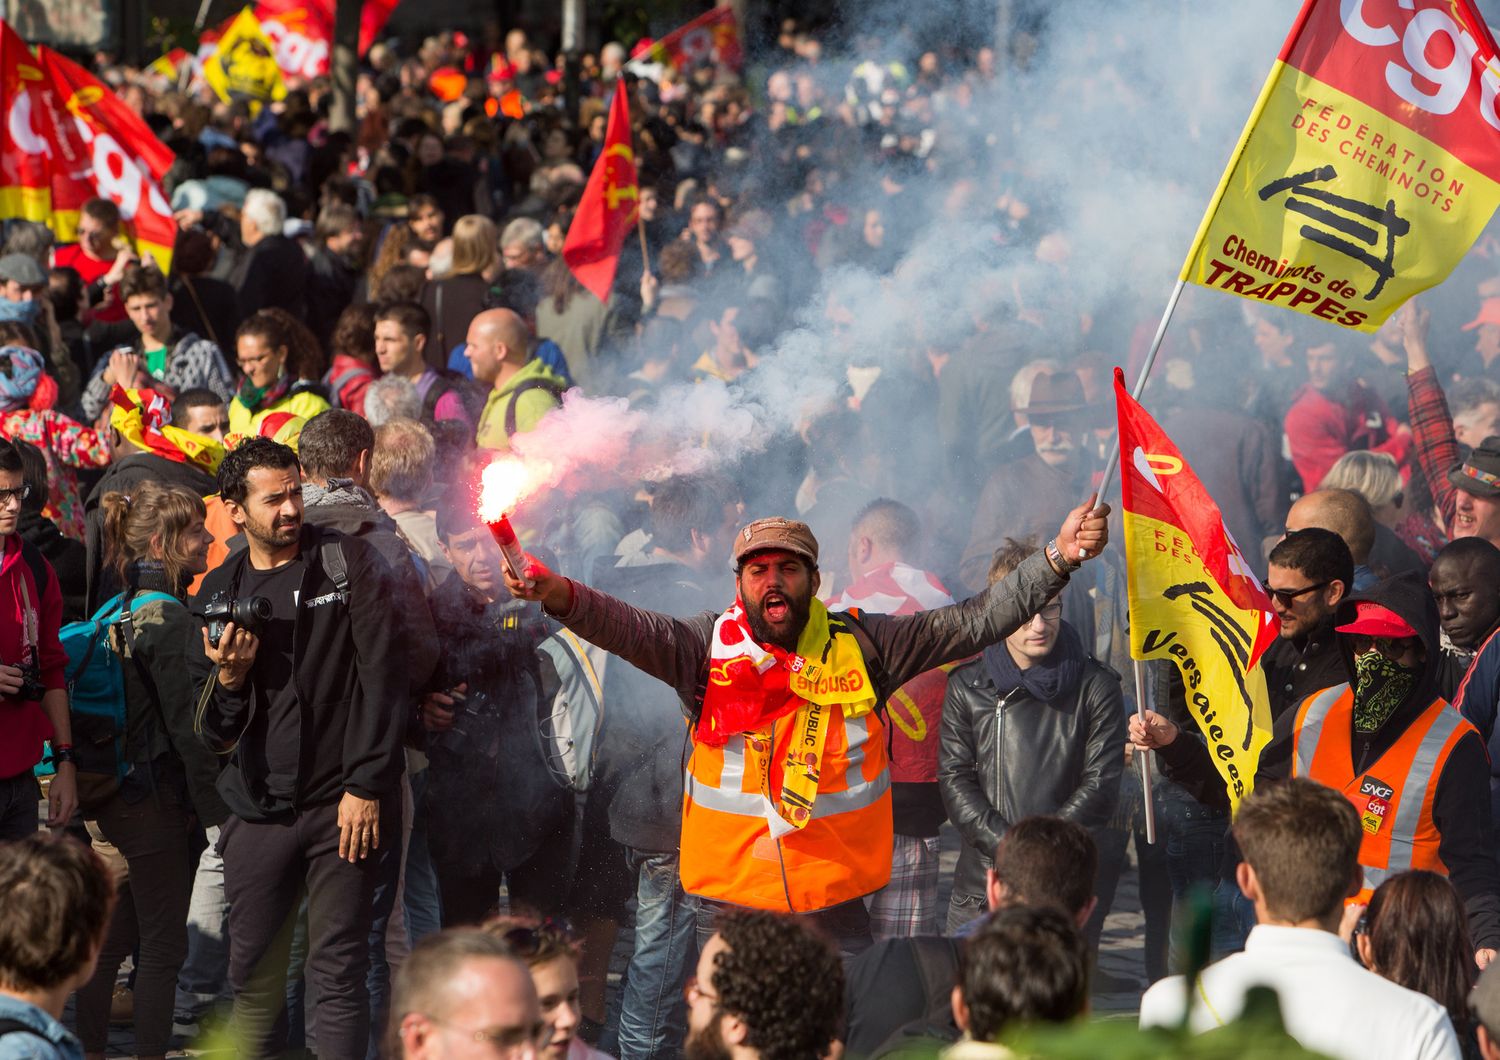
(911, 644)
(670, 649)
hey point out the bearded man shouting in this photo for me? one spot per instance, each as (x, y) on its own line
(787, 801)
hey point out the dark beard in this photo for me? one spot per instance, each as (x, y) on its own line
(798, 611)
(708, 1043)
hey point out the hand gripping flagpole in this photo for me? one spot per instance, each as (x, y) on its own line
(1144, 757)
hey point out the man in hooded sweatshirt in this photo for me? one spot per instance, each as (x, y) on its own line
(1415, 770)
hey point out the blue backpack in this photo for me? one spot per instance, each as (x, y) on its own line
(96, 685)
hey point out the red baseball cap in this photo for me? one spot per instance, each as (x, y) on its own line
(1489, 313)
(1373, 620)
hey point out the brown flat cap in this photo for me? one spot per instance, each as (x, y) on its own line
(765, 535)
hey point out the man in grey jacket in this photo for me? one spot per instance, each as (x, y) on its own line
(749, 719)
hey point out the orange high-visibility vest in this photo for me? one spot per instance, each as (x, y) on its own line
(1394, 795)
(844, 852)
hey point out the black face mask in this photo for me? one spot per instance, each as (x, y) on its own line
(1381, 685)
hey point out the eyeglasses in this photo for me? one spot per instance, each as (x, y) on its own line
(1051, 613)
(1287, 597)
(1391, 647)
(693, 992)
(507, 1041)
(20, 493)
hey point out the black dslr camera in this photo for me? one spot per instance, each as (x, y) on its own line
(249, 612)
(32, 689)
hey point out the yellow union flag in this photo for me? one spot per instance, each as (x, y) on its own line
(1193, 599)
(1369, 166)
(243, 66)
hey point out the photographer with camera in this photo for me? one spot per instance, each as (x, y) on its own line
(156, 544)
(33, 695)
(309, 703)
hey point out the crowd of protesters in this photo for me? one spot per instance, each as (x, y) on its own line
(412, 801)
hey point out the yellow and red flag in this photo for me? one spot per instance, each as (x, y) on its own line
(607, 211)
(25, 187)
(713, 36)
(1193, 598)
(1369, 165)
(100, 147)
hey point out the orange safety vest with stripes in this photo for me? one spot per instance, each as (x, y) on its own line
(728, 849)
(1394, 796)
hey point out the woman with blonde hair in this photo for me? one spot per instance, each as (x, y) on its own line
(155, 540)
(1403, 509)
(459, 297)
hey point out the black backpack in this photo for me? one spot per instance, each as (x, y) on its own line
(448, 382)
(515, 397)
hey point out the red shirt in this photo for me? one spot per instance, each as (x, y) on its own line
(23, 726)
(92, 269)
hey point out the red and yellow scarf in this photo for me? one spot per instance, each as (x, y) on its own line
(751, 686)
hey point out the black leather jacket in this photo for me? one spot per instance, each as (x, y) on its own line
(1006, 756)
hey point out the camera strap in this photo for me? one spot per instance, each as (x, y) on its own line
(30, 621)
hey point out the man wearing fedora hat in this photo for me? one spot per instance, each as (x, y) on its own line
(1026, 497)
(787, 802)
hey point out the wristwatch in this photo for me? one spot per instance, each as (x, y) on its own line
(63, 752)
(1055, 557)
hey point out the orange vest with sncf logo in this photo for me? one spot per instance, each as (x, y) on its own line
(728, 850)
(1394, 795)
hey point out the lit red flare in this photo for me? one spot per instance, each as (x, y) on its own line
(503, 485)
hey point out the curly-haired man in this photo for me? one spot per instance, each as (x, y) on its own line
(767, 988)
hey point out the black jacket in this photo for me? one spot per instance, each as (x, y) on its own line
(351, 684)
(1006, 756)
(1461, 804)
(273, 273)
(331, 282)
(68, 557)
(493, 797)
(417, 636)
(123, 475)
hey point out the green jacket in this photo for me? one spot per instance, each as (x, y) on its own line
(531, 401)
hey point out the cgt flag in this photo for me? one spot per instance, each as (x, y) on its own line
(1369, 164)
(607, 211)
(25, 184)
(100, 147)
(713, 36)
(1193, 598)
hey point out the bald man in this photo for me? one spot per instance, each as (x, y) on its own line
(1347, 514)
(522, 388)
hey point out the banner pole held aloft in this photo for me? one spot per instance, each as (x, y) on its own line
(1144, 757)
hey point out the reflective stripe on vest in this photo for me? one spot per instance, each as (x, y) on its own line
(730, 796)
(729, 851)
(1310, 726)
(1424, 767)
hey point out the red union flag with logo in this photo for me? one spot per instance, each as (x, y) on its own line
(1193, 598)
(301, 31)
(713, 36)
(68, 139)
(97, 146)
(1369, 166)
(607, 211)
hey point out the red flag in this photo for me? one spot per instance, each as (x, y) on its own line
(24, 188)
(713, 36)
(302, 31)
(607, 211)
(100, 147)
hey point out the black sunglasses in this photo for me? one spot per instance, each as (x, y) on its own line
(1287, 597)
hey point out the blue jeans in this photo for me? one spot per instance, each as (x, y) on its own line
(421, 903)
(378, 978)
(652, 1009)
(1234, 916)
(1196, 837)
(205, 974)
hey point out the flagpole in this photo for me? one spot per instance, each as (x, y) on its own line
(1140, 382)
(640, 230)
(1144, 756)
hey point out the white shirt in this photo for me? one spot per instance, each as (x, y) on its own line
(1328, 1002)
